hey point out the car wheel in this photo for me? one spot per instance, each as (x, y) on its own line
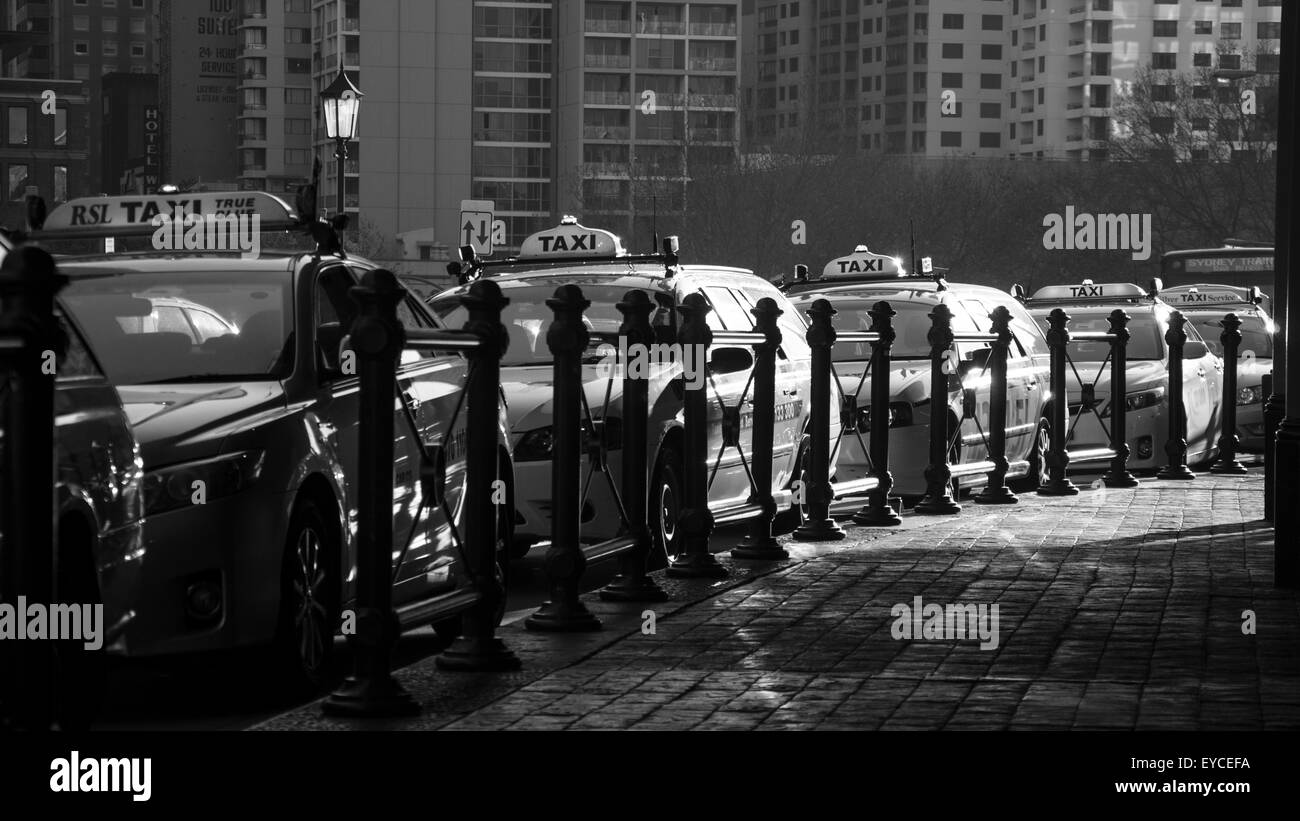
(954, 455)
(666, 502)
(1038, 474)
(309, 601)
(81, 674)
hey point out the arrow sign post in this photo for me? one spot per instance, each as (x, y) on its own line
(475, 226)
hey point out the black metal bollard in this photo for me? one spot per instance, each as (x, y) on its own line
(938, 477)
(820, 527)
(377, 337)
(878, 511)
(565, 562)
(1176, 444)
(696, 520)
(478, 648)
(996, 492)
(632, 584)
(759, 542)
(1058, 458)
(29, 331)
(1118, 475)
(1228, 440)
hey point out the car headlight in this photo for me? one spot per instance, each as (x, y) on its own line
(1250, 396)
(538, 445)
(191, 483)
(1139, 400)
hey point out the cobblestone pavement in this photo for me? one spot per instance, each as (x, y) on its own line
(1116, 609)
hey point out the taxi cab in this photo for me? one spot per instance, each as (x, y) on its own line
(99, 503)
(233, 371)
(853, 284)
(1089, 306)
(596, 261)
(1205, 306)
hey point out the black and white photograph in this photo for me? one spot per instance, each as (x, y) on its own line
(370, 368)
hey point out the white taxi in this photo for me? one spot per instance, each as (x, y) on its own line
(1089, 305)
(1205, 306)
(853, 284)
(597, 262)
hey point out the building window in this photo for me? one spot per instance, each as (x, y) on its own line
(991, 22)
(1164, 28)
(991, 111)
(1268, 30)
(950, 139)
(297, 96)
(81, 48)
(60, 183)
(60, 126)
(18, 125)
(109, 48)
(80, 22)
(1201, 59)
(80, 71)
(954, 21)
(138, 25)
(17, 181)
(990, 51)
(254, 38)
(990, 139)
(107, 68)
(137, 4)
(297, 65)
(992, 81)
(109, 25)
(297, 125)
(1230, 31)
(1164, 60)
(951, 79)
(952, 51)
(1230, 61)
(297, 35)
(1203, 27)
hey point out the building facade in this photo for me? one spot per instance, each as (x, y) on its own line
(276, 109)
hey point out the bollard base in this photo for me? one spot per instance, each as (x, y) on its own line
(697, 566)
(937, 506)
(826, 530)
(1062, 488)
(1124, 479)
(877, 517)
(1233, 468)
(995, 496)
(762, 548)
(563, 617)
(372, 697)
(1181, 473)
(632, 589)
(478, 655)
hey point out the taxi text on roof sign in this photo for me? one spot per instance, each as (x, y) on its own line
(128, 215)
(1089, 290)
(861, 262)
(569, 239)
(1206, 296)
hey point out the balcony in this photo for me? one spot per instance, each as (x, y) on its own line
(713, 29)
(619, 98)
(606, 132)
(1026, 109)
(607, 60)
(1027, 139)
(660, 27)
(713, 64)
(607, 26)
(352, 24)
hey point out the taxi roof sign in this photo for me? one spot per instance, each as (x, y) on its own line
(1192, 295)
(1088, 291)
(568, 240)
(861, 263)
(134, 215)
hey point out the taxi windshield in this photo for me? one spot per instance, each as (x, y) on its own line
(527, 318)
(1146, 336)
(159, 327)
(911, 326)
(1254, 335)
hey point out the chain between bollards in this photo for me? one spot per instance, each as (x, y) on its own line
(1228, 439)
(565, 562)
(819, 526)
(1057, 457)
(478, 648)
(1176, 444)
(878, 511)
(632, 584)
(377, 338)
(995, 491)
(1118, 475)
(759, 542)
(938, 476)
(696, 520)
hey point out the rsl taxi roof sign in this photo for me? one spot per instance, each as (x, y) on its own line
(136, 215)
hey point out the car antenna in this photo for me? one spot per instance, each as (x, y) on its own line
(654, 222)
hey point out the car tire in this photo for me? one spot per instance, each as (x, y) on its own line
(81, 674)
(303, 649)
(666, 500)
(1036, 477)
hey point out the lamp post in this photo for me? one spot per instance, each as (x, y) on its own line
(341, 103)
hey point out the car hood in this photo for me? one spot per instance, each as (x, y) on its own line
(178, 422)
(529, 396)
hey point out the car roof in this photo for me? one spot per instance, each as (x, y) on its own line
(916, 289)
(142, 263)
(646, 276)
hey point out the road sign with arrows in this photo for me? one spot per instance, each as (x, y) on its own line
(476, 225)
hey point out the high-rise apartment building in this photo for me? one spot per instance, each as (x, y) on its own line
(1021, 78)
(276, 108)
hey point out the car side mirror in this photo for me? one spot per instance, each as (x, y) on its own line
(730, 360)
(1195, 349)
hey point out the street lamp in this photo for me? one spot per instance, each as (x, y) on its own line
(341, 104)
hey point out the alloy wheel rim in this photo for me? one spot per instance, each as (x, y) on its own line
(310, 614)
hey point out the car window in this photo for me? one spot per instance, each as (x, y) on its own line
(1029, 337)
(727, 309)
(78, 363)
(790, 322)
(207, 325)
(1146, 335)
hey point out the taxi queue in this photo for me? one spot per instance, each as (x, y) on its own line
(207, 502)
